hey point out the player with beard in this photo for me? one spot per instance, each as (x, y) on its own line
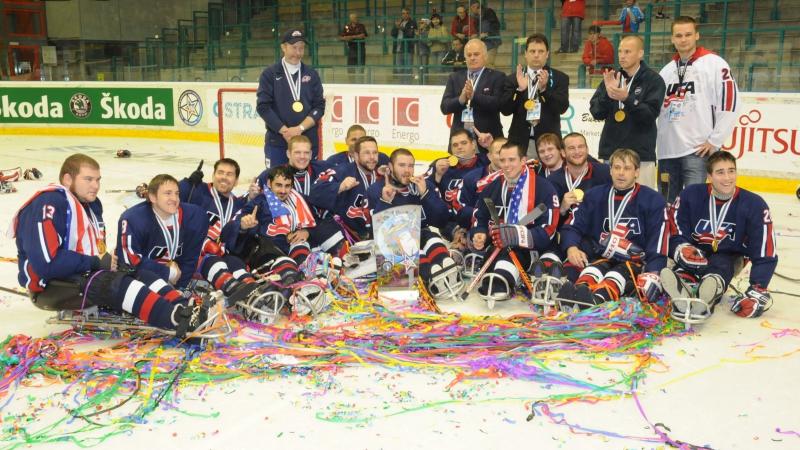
(617, 238)
(342, 190)
(60, 236)
(715, 226)
(516, 192)
(327, 235)
(275, 232)
(578, 175)
(401, 187)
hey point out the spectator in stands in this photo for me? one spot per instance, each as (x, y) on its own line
(660, 13)
(699, 112)
(474, 96)
(439, 39)
(598, 53)
(290, 100)
(572, 14)
(536, 95)
(630, 17)
(423, 46)
(455, 56)
(629, 101)
(354, 34)
(404, 34)
(463, 27)
(488, 29)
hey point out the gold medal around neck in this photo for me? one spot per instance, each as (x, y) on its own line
(579, 195)
(453, 160)
(297, 106)
(619, 116)
(101, 246)
(714, 245)
(530, 104)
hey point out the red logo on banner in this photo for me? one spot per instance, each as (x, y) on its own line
(336, 112)
(406, 111)
(368, 109)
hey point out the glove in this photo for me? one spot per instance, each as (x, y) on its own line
(103, 263)
(196, 177)
(123, 153)
(615, 246)
(690, 257)
(211, 247)
(649, 285)
(753, 303)
(504, 236)
(32, 174)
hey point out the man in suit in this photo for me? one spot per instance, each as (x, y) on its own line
(536, 95)
(474, 96)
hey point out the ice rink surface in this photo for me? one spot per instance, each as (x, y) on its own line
(730, 383)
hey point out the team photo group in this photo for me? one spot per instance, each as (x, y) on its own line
(521, 212)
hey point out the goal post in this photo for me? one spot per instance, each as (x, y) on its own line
(241, 130)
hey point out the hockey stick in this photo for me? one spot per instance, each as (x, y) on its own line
(13, 291)
(530, 217)
(511, 253)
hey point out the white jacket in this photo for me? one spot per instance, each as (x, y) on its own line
(702, 108)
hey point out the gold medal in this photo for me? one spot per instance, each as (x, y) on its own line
(453, 160)
(619, 116)
(101, 246)
(530, 104)
(714, 246)
(297, 106)
(579, 195)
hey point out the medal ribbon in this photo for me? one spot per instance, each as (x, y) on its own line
(294, 86)
(171, 239)
(622, 80)
(571, 185)
(224, 216)
(614, 216)
(717, 219)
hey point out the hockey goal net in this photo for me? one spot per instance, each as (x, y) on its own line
(241, 129)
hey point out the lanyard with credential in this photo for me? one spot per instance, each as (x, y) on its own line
(224, 216)
(171, 240)
(475, 81)
(717, 219)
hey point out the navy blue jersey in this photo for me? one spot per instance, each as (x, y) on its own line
(597, 173)
(56, 237)
(143, 243)
(434, 210)
(277, 228)
(303, 179)
(746, 228)
(274, 104)
(644, 217)
(453, 178)
(220, 210)
(468, 196)
(344, 158)
(534, 191)
(352, 205)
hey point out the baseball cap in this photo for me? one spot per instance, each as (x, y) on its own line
(293, 36)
